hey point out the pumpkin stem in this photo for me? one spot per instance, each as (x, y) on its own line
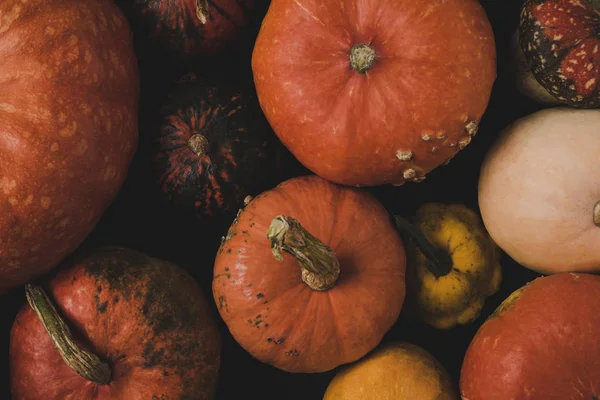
(362, 57)
(320, 266)
(198, 144)
(202, 11)
(439, 261)
(597, 214)
(85, 364)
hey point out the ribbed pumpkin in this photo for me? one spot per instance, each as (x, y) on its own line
(190, 27)
(370, 92)
(310, 275)
(560, 40)
(69, 126)
(115, 324)
(213, 148)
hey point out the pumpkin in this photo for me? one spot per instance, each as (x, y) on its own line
(525, 82)
(69, 117)
(115, 324)
(398, 370)
(453, 265)
(212, 149)
(561, 45)
(186, 28)
(370, 93)
(538, 195)
(540, 344)
(310, 275)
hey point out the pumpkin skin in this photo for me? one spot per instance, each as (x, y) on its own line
(147, 318)
(276, 317)
(397, 370)
(414, 109)
(541, 344)
(69, 116)
(539, 176)
(176, 27)
(561, 43)
(214, 148)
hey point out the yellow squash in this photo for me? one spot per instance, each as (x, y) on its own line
(398, 371)
(453, 265)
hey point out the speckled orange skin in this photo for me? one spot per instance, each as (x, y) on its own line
(422, 99)
(274, 315)
(69, 118)
(147, 318)
(542, 346)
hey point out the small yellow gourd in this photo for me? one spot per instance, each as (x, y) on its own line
(397, 371)
(453, 265)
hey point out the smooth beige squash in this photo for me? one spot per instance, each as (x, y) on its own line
(397, 371)
(539, 191)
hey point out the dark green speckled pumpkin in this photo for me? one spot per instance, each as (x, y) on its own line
(213, 148)
(190, 27)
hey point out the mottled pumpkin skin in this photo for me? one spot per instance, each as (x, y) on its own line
(561, 42)
(418, 105)
(540, 344)
(69, 117)
(175, 26)
(275, 316)
(147, 318)
(239, 158)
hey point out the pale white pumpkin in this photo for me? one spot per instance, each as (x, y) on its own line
(539, 191)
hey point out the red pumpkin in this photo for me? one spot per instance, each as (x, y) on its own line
(307, 303)
(541, 344)
(212, 149)
(561, 43)
(369, 93)
(143, 326)
(190, 27)
(69, 126)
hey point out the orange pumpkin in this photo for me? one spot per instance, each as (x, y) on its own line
(370, 92)
(305, 303)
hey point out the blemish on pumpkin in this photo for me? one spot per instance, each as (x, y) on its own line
(464, 143)
(409, 174)
(472, 127)
(507, 303)
(279, 341)
(404, 155)
(426, 136)
(260, 296)
(292, 353)
(269, 339)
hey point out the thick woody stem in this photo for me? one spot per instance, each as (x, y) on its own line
(202, 10)
(198, 144)
(319, 264)
(85, 364)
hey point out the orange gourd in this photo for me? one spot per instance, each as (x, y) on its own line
(307, 303)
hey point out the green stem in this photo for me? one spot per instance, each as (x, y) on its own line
(439, 261)
(319, 264)
(85, 364)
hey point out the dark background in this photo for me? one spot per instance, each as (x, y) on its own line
(138, 219)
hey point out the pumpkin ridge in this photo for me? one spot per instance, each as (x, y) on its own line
(222, 12)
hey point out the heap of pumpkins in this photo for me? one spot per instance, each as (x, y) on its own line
(314, 272)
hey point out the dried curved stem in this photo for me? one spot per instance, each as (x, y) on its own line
(86, 365)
